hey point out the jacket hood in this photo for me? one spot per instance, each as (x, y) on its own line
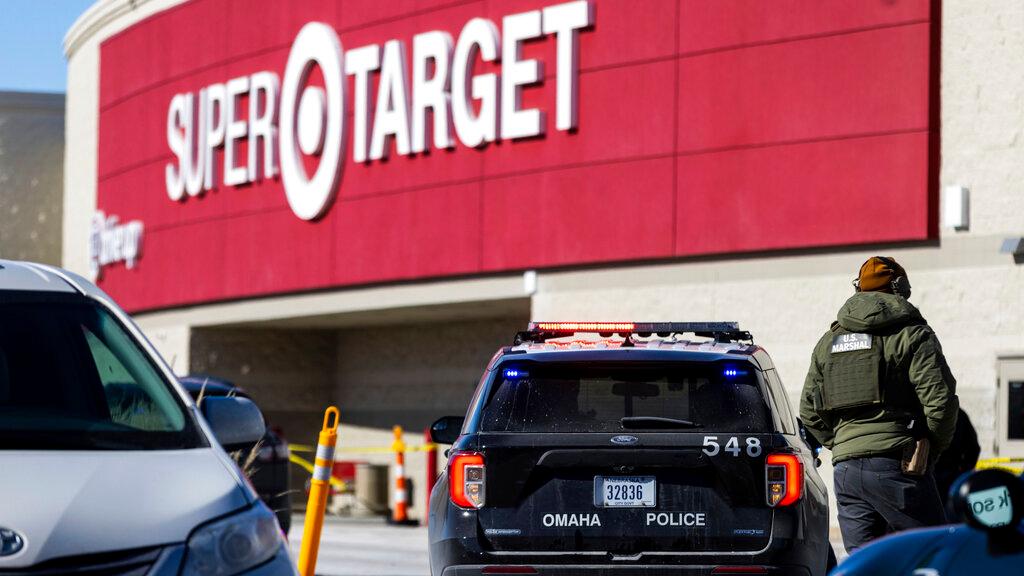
(877, 311)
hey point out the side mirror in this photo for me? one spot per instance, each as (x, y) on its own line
(236, 422)
(446, 430)
(991, 501)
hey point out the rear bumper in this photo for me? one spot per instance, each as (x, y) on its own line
(782, 556)
(799, 545)
(455, 558)
(633, 570)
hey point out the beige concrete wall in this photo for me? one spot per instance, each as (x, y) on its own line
(82, 49)
(31, 176)
(407, 375)
(173, 343)
(80, 168)
(983, 109)
(425, 302)
(288, 373)
(411, 375)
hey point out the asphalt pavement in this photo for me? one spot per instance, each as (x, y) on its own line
(366, 547)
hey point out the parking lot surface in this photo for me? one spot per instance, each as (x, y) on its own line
(366, 547)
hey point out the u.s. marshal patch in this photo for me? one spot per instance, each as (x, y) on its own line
(850, 342)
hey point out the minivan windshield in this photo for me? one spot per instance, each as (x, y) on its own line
(72, 378)
(638, 396)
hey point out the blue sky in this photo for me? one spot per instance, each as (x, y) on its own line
(31, 43)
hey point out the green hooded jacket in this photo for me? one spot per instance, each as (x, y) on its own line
(917, 384)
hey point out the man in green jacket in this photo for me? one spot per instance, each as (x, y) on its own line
(881, 397)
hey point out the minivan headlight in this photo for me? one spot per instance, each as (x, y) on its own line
(233, 544)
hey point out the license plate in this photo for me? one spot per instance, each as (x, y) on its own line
(624, 491)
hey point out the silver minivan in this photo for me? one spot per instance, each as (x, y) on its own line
(106, 464)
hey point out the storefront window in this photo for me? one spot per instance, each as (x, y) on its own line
(1010, 408)
(1015, 407)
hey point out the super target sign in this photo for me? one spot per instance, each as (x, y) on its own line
(274, 147)
(287, 119)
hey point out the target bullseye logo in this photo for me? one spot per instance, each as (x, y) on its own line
(311, 120)
(302, 121)
(286, 121)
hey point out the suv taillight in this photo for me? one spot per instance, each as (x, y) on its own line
(783, 479)
(466, 479)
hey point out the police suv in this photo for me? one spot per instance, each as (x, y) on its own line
(628, 448)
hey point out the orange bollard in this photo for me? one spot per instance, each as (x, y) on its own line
(319, 489)
(400, 514)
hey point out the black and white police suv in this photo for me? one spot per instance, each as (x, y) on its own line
(628, 448)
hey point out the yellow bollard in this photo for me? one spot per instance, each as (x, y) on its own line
(319, 488)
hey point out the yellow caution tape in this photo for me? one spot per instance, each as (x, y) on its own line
(308, 466)
(364, 449)
(1015, 465)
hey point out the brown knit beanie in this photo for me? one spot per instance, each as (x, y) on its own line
(877, 274)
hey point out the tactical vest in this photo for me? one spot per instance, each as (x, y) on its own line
(855, 372)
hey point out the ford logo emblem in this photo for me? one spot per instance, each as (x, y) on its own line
(10, 542)
(625, 440)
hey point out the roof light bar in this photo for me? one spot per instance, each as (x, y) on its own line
(721, 331)
(573, 327)
(635, 327)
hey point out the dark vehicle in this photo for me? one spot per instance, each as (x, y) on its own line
(628, 451)
(990, 503)
(269, 474)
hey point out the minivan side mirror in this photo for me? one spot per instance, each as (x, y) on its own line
(236, 422)
(446, 430)
(992, 501)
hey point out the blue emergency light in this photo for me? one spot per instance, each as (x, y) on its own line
(513, 373)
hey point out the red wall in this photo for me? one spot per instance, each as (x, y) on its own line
(704, 128)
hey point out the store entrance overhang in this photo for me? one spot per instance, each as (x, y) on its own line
(414, 303)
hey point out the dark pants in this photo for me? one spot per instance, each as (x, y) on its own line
(875, 498)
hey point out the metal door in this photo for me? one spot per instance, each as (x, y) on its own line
(1011, 408)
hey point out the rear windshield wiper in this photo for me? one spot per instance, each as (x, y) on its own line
(656, 422)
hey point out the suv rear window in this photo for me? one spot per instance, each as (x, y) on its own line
(613, 397)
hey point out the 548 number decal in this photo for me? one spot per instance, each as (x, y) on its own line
(732, 446)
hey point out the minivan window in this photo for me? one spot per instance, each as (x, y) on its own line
(71, 377)
(613, 397)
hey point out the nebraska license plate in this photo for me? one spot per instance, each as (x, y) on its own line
(625, 491)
